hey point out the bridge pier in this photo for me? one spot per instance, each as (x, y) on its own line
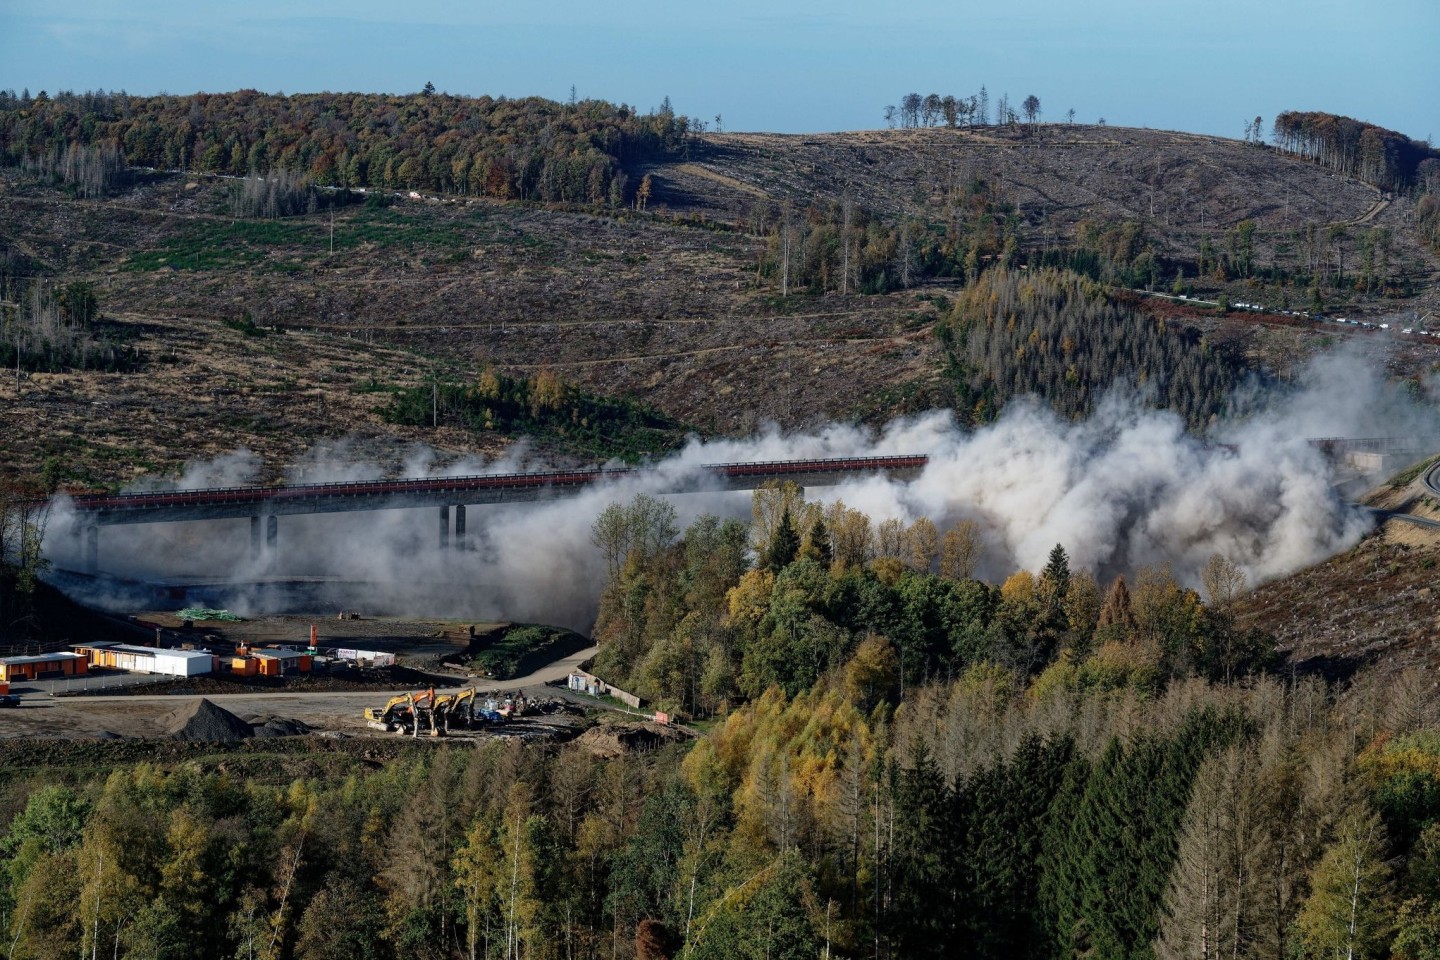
(92, 550)
(444, 528)
(255, 523)
(460, 526)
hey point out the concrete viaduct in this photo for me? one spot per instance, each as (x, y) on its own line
(448, 495)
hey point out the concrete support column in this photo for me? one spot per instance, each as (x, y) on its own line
(255, 541)
(460, 526)
(444, 528)
(92, 549)
(272, 541)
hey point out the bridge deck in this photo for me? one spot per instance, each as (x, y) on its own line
(239, 502)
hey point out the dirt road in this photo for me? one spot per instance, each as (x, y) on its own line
(40, 715)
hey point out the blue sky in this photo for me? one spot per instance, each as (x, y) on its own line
(802, 65)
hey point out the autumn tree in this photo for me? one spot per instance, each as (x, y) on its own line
(961, 550)
(1348, 912)
(923, 541)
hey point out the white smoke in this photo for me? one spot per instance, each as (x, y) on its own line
(1126, 488)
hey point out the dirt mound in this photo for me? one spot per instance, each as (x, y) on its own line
(203, 720)
(613, 740)
(271, 726)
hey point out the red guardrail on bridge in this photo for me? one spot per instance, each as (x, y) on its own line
(564, 478)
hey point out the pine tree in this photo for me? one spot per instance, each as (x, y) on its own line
(1057, 573)
(1117, 612)
(923, 916)
(817, 542)
(784, 545)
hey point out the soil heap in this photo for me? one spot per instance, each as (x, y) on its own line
(272, 726)
(609, 741)
(203, 720)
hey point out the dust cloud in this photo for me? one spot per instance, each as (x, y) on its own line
(1125, 488)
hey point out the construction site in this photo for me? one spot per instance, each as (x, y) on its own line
(229, 679)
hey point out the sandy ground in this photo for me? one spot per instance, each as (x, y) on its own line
(40, 715)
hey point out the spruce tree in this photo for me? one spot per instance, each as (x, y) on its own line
(817, 543)
(784, 545)
(1057, 573)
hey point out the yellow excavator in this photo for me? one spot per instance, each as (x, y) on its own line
(404, 713)
(453, 709)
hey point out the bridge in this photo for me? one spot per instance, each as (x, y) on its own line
(450, 495)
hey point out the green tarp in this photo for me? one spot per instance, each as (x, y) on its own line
(204, 613)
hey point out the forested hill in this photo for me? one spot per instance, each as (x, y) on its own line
(1383, 157)
(530, 149)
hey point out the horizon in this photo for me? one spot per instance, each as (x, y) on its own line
(808, 69)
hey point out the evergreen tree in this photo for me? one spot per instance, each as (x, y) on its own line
(817, 542)
(1057, 573)
(784, 545)
(923, 918)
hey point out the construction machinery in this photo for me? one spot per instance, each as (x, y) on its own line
(405, 713)
(438, 714)
(454, 710)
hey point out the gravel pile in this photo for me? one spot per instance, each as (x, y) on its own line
(270, 726)
(203, 720)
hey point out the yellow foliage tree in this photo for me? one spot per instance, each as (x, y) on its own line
(546, 392)
(1019, 587)
(924, 542)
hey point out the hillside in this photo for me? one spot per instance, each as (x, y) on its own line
(679, 305)
(1373, 606)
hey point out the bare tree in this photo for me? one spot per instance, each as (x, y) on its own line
(905, 252)
(910, 106)
(932, 109)
(1224, 581)
(1031, 106)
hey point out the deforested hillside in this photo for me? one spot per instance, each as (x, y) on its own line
(722, 280)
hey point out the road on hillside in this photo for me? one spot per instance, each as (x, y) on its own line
(1432, 478)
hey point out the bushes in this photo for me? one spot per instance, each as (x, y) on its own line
(521, 649)
(57, 327)
(542, 407)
